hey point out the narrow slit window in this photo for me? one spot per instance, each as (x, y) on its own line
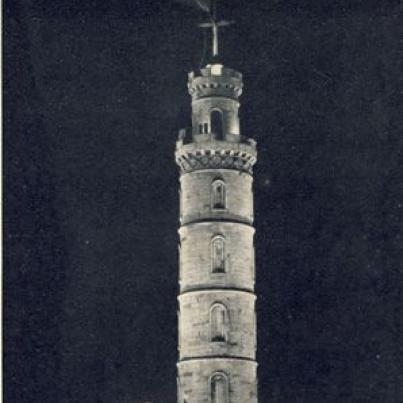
(219, 195)
(218, 323)
(218, 255)
(219, 388)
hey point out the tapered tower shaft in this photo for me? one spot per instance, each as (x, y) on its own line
(217, 319)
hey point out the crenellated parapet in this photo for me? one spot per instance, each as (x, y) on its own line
(215, 80)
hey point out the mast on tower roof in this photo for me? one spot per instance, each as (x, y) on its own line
(214, 25)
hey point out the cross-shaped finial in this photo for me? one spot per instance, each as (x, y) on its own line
(214, 25)
(211, 9)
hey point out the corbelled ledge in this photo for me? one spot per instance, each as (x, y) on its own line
(216, 154)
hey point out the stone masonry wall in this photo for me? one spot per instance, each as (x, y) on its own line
(194, 331)
(196, 197)
(195, 256)
(195, 376)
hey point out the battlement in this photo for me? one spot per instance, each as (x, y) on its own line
(215, 80)
(216, 70)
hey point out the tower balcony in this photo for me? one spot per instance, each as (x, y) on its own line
(214, 154)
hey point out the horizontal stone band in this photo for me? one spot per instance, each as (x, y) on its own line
(217, 357)
(217, 289)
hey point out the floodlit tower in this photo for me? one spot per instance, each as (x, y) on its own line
(216, 317)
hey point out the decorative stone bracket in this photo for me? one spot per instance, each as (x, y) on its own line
(193, 158)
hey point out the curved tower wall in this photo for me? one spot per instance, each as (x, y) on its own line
(196, 197)
(216, 317)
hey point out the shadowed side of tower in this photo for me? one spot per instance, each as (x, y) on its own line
(217, 319)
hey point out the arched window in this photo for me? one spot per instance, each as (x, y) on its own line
(217, 124)
(218, 255)
(219, 388)
(218, 198)
(218, 323)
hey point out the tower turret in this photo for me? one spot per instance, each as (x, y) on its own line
(216, 140)
(215, 91)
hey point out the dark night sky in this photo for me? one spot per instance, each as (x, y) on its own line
(94, 94)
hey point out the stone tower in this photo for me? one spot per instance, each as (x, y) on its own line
(217, 319)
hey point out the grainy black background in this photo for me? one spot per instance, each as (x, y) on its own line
(94, 92)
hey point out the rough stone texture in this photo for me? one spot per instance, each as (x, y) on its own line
(194, 329)
(195, 256)
(196, 197)
(194, 377)
(216, 316)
